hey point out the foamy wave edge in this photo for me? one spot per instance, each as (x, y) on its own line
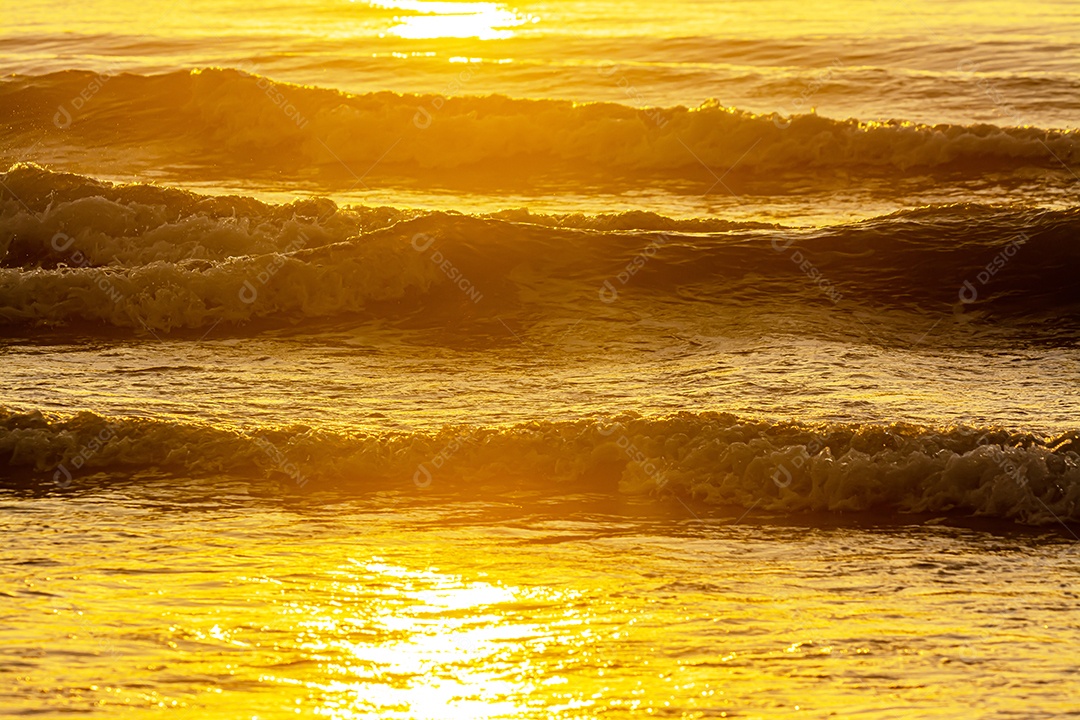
(721, 459)
(88, 255)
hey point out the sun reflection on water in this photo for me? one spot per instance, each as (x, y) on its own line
(385, 615)
(422, 643)
(431, 19)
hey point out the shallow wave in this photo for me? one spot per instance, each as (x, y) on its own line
(713, 457)
(78, 252)
(251, 123)
(132, 225)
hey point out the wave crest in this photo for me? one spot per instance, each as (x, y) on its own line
(212, 115)
(713, 457)
(74, 251)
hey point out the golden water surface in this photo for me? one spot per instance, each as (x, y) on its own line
(231, 606)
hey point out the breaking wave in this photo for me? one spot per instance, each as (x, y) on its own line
(76, 251)
(712, 457)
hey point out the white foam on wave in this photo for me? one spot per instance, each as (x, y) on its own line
(716, 458)
(75, 251)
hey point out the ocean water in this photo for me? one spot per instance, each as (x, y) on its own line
(459, 359)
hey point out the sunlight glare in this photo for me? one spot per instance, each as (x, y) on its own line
(439, 19)
(429, 644)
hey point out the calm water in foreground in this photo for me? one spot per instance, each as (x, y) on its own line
(228, 605)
